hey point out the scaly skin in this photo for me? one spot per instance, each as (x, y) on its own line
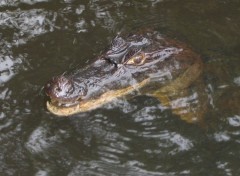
(147, 62)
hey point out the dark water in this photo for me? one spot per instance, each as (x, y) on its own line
(43, 38)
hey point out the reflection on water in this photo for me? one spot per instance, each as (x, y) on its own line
(237, 81)
(6, 69)
(42, 38)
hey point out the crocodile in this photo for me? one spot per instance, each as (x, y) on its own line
(143, 63)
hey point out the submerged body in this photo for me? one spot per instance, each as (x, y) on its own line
(142, 63)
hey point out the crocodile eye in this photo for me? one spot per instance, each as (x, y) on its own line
(137, 60)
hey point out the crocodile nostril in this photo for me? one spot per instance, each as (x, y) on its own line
(58, 89)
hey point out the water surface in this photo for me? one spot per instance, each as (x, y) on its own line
(43, 38)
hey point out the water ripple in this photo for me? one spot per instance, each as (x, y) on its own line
(103, 168)
(28, 23)
(39, 141)
(40, 38)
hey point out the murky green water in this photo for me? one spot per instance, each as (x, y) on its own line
(43, 38)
